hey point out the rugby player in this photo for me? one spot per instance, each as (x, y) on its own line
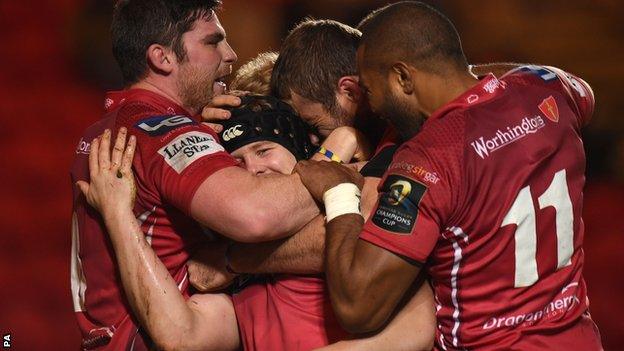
(173, 57)
(262, 151)
(488, 191)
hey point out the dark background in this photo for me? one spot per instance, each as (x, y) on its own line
(56, 65)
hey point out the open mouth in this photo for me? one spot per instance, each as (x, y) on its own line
(219, 87)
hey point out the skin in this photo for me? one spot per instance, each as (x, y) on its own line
(210, 57)
(414, 326)
(203, 322)
(206, 321)
(366, 282)
(145, 280)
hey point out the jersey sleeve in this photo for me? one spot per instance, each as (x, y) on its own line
(578, 93)
(414, 203)
(175, 154)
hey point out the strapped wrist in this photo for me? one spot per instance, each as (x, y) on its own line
(342, 199)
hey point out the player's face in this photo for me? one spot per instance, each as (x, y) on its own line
(387, 102)
(264, 157)
(208, 61)
(317, 116)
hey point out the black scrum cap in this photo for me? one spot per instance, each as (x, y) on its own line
(266, 118)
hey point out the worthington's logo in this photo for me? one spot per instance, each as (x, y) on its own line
(484, 147)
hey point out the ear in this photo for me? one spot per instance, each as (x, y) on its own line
(348, 86)
(161, 58)
(402, 77)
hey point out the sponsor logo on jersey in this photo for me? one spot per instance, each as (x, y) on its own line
(492, 85)
(528, 125)
(187, 148)
(83, 147)
(160, 125)
(418, 171)
(398, 204)
(550, 109)
(232, 132)
(553, 309)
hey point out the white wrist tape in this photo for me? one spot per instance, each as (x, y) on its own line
(342, 199)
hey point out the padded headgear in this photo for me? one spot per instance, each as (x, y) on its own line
(261, 118)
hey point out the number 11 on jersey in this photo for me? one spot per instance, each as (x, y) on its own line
(522, 213)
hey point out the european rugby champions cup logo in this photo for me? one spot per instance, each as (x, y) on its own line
(399, 191)
(397, 209)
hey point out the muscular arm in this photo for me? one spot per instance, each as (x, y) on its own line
(365, 282)
(303, 253)
(250, 208)
(173, 323)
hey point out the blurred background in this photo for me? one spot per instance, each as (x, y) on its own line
(58, 64)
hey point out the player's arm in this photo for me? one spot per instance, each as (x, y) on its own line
(412, 328)
(251, 208)
(302, 253)
(172, 322)
(365, 281)
(344, 144)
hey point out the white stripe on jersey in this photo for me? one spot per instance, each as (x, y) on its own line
(459, 233)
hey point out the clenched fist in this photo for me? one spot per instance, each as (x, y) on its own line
(320, 176)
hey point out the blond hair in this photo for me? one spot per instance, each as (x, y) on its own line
(255, 75)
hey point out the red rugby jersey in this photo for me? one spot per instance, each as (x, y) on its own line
(489, 194)
(175, 154)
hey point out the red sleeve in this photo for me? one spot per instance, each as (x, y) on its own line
(414, 203)
(174, 156)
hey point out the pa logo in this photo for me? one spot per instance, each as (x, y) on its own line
(232, 132)
(6, 341)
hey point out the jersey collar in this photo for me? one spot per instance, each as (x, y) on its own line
(116, 99)
(487, 88)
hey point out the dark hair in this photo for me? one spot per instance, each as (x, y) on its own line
(313, 57)
(413, 32)
(137, 24)
(261, 117)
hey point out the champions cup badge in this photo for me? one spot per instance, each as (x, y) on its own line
(550, 109)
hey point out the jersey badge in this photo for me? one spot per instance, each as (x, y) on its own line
(160, 125)
(187, 148)
(397, 209)
(550, 109)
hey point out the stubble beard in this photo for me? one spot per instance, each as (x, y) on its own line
(195, 88)
(405, 120)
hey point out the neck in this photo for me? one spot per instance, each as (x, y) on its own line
(160, 89)
(444, 89)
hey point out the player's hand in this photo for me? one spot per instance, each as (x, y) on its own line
(111, 186)
(206, 268)
(215, 111)
(320, 176)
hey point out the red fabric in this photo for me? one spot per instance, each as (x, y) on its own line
(289, 313)
(101, 309)
(473, 159)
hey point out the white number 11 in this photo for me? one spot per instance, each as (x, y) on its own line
(522, 213)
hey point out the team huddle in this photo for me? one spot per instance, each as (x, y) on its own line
(363, 189)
